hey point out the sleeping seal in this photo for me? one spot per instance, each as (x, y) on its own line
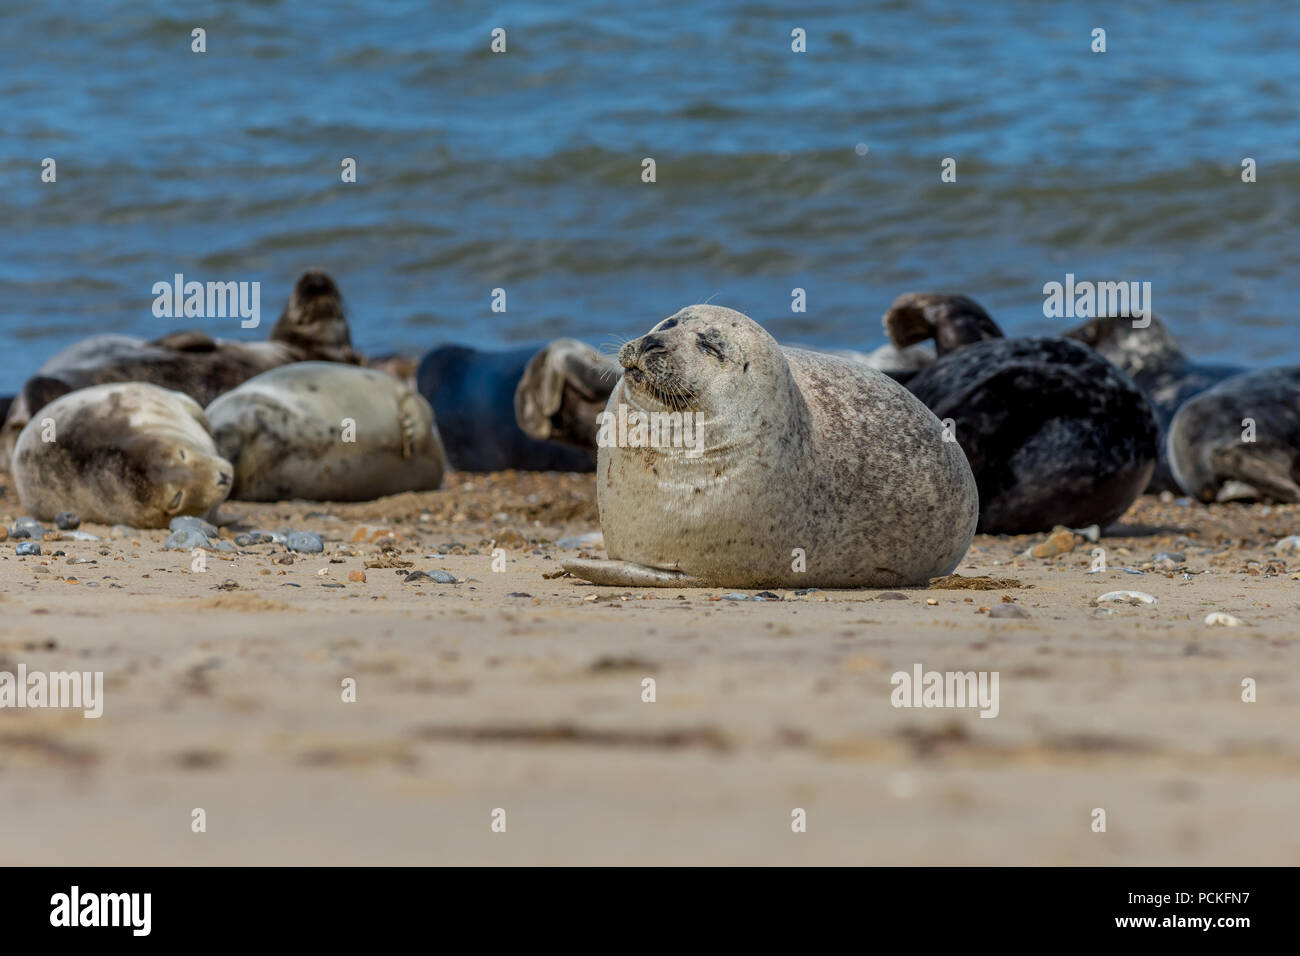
(128, 453)
(1158, 367)
(803, 470)
(1240, 438)
(1054, 433)
(519, 409)
(326, 431)
(312, 326)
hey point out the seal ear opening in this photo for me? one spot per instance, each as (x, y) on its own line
(40, 390)
(951, 320)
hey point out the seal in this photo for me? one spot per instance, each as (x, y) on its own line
(313, 326)
(476, 396)
(130, 453)
(1240, 439)
(807, 470)
(1150, 356)
(563, 388)
(1055, 434)
(326, 431)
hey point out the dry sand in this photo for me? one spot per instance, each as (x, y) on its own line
(523, 692)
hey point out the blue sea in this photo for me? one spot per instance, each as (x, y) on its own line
(522, 170)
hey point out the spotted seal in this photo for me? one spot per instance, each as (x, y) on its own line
(125, 453)
(807, 470)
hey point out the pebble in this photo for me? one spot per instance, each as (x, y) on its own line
(519, 594)
(1092, 533)
(1219, 619)
(1132, 597)
(253, 537)
(1177, 557)
(1061, 541)
(79, 536)
(331, 584)
(891, 596)
(33, 526)
(28, 547)
(4, 533)
(441, 577)
(191, 523)
(1290, 545)
(358, 576)
(67, 521)
(1007, 610)
(20, 533)
(740, 597)
(186, 539)
(306, 541)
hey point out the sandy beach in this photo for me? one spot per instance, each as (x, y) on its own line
(521, 690)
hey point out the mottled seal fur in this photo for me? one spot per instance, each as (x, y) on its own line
(130, 453)
(312, 326)
(476, 396)
(807, 460)
(1167, 377)
(1208, 451)
(1054, 433)
(285, 435)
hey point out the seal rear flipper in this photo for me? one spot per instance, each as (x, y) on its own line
(629, 574)
(951, 320)
(40, 390)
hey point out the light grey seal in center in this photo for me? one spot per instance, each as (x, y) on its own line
(326, 431)
(789, 469)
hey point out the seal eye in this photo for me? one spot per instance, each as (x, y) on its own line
(182, 451)
(709, 344)
(666, 324)
(176, 502)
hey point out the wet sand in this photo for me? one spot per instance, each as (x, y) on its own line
(522, 691)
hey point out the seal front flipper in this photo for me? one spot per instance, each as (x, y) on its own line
(951, 320)
(629, 574)
(1268, 472)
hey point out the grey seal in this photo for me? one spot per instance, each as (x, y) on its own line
(313, 326)
(806, 470)
(1150, 356)
(326, 431)
(531, 409)
(1054, 433)
(127, 453)
(1240, 438)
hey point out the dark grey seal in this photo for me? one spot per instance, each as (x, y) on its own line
(1054, 433)
(1216, 456)
(1166, 376)
(481, 400)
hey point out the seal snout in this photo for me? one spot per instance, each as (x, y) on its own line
(632, 353)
